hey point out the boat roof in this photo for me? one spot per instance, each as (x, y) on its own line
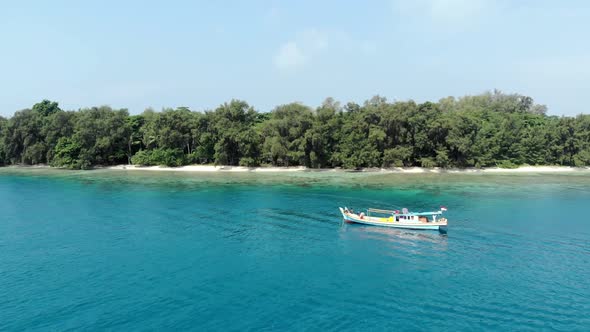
(406, 214)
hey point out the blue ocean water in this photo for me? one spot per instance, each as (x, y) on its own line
(111, 250)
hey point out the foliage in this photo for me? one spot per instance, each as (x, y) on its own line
(490, 129)
(67, 154)
(102, 134)
(3, 124)
(399, 156)
(159, 157)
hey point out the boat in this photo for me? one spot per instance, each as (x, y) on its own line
(397, 219)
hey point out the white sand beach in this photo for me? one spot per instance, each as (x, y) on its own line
(409, 170)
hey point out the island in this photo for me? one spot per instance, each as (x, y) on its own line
(490, 130)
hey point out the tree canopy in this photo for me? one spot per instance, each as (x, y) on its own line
(490, 129)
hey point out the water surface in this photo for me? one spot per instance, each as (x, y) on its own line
(150, 251)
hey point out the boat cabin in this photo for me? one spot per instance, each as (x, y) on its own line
(405, 215)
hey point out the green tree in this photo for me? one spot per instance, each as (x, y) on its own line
(57, 125)
(285, 141)
(232, 126)
(67, 154)
(134, 124)
(24, 142)
(356, 149)
(489, 129)
(3, 124)
(46, 108)
(324, 135)
(399, 156)
(102, 134)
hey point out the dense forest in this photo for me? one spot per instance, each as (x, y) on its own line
(491, 129)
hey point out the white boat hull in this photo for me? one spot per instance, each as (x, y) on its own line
(385, 222)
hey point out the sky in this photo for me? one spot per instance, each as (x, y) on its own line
(199, 54)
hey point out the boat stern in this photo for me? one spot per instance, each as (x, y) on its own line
(443, 223)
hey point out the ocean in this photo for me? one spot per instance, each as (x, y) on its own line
(132, 251)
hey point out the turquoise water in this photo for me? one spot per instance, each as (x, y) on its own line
(142, 251)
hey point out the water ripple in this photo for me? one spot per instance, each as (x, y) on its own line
(98, 250)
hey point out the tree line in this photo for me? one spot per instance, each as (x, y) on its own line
(490, 129)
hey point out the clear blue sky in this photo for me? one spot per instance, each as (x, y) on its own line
(138, 54)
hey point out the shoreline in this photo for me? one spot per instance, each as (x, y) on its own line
(393, 170)
(271, 169)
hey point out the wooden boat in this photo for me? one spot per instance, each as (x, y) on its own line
(391, 218)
